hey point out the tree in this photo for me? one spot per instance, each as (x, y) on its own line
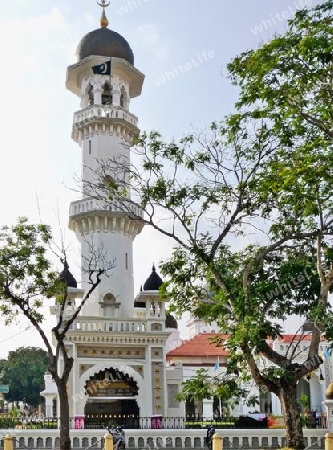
(248, 206)
(28, 280)
(286, 85)
(227, 388)
(217, 192)
(24, 373)
(288, 81)
(2, 366)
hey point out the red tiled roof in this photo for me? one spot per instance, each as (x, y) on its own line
(298, 338)
(199, 345)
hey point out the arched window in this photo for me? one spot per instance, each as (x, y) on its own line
(107, 94)
(109, 305)
(123, 98)
(90, 92)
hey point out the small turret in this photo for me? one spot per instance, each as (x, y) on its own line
(66, 276)
(153, 282)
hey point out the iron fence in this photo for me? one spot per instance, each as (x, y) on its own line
(132, 422)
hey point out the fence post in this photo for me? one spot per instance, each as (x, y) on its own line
(328, 441)
(108, 444)
(8, 442)
(218, 442)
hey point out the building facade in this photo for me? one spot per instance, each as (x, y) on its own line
(129, 360)
(197, 351)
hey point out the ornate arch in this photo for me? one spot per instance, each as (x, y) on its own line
(122, 368)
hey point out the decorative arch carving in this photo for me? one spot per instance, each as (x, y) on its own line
(156, 327)
(122, 368)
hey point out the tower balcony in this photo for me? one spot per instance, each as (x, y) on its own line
(96, 330)
(103, 112)
(104, 120)
(130, 326)
(91, 215)
(88, 205)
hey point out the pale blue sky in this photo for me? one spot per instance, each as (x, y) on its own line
(39, 38)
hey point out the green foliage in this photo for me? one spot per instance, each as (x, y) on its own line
(289, 78)
(286, 85)
(206, 386)
(14, 420)
(279, 144)
(27, 281)
(2, 366)
(304, 399)
(24, 373)
(197, 388)
(26, 275)
(6, 422)
(15, 413)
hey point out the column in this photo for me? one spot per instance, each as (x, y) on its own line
(207, 408)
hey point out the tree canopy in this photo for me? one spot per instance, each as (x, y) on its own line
(28, 280)
(24, 372)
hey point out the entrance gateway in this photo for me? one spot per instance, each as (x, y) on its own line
(111, 396)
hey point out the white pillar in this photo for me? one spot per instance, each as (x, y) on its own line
(97, 96)
(276, 405)
(207, 408)
(49, 405)
(329, 406)
(116, 97)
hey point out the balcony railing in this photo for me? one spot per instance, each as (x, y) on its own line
(130, 326)
(89, 205)
(101, 421)
(99, 112)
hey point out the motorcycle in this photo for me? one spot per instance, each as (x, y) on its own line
(209, 438)
(118, 437)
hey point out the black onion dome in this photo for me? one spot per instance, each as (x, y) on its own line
(153, 282)
(171, 322)
(104, 42)
(66, 276)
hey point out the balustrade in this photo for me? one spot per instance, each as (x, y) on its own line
(88, 205)
(95, 325)
(164, 438)
(96, 112)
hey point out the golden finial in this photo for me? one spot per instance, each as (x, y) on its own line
(104, 4)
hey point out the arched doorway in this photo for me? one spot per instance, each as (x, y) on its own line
(111, 399)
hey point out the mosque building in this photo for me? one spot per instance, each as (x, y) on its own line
(129, 359)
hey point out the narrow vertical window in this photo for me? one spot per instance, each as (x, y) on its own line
(89, 147)
(126, 261)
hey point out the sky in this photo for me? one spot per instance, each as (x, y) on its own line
(39, 161)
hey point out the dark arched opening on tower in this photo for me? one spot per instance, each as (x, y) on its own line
(111, 400)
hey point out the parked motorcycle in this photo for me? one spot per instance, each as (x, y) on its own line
(118, 437)
(209, 438)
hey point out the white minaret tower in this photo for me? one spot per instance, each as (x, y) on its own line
(118, 342)
(105, 79)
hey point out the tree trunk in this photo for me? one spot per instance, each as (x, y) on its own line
(294, 430)
(65, 441)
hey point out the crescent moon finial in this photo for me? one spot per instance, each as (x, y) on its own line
(103, 4)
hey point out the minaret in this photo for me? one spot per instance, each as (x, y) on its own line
(106, 80)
